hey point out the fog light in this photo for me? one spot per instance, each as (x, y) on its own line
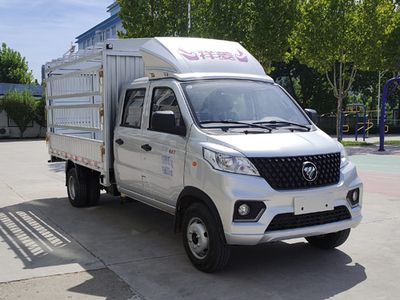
(353, 197)
(243, 210)
(248, 210)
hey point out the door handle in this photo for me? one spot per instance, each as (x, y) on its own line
(119, 141)
(146, 147)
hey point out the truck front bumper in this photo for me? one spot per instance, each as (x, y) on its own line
(269, 236)
(283, 202)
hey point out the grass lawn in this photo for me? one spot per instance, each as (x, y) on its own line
(357, 143)
(392, 142)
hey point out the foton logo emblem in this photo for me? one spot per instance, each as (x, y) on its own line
(309, 171)
(213, 55)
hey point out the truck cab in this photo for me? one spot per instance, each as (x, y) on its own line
(208, 137)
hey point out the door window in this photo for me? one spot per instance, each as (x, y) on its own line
(164, 99)
(133, 108)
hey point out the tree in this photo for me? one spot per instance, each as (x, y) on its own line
(339, 37)
(13, 67)
(273, 23)
(260, 26)
(391, 46)
(20, 107)
(40, 113)
(223, 19)
(143, 18)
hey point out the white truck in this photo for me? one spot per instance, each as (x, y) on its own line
(195, 127)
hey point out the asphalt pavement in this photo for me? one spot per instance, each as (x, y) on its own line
(127, 250)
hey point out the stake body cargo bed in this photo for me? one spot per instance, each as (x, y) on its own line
(82, 94)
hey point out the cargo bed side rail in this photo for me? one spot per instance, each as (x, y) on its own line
(85, 152)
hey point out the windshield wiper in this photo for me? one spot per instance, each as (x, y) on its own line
(238, 122)
(284, 123)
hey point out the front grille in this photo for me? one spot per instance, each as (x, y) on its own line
(285, 173)
(292, 221)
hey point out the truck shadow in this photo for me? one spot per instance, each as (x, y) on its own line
(137, 243)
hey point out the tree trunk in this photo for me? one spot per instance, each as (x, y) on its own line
(339, 124)
(292, 87)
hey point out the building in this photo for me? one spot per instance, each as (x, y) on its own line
(105, 30)
(34, 89)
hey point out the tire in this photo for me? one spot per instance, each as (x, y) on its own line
(93, 188)
(83, 187)
(204, 240)
(77, 189)
(330, 240)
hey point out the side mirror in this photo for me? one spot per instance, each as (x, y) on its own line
(164, 121)
(312, 114)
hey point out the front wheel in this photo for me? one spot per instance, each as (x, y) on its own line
(203, 239)
(330, 240)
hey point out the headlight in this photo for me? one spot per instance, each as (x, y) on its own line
(229, 163)
(344, 161)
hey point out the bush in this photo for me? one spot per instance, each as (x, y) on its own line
(40, 113)
(20, 107)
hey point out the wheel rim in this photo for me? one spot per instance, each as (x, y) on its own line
(197, 237)
(71, 187)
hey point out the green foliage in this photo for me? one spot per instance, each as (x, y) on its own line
(261, 26)
(366, 144)
(20, 107)
(40, 112)
(392, 142)
(391, 48)
(143, 18)
(273, 23)
(374, 23)
(13, 67)
(339, 37)
(324, 33)
(305, 84)
(223, 19)
(356, 143)
(312, 47)
(362, 34)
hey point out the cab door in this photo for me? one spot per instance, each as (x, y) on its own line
(164, 153)
(128, 137)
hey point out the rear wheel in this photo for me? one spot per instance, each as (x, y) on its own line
(93, 188)
(83, 187)
(330, 240)
(77, 190)
(204, 240)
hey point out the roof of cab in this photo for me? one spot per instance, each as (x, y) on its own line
(170, 56)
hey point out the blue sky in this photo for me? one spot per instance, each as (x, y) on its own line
(42, 30)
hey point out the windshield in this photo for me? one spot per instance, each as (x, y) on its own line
(240, 100)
